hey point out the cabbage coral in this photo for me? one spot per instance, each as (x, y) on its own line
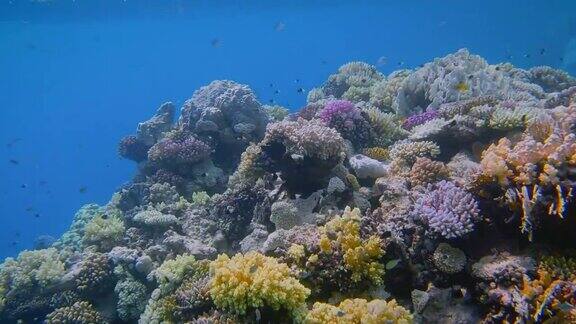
(253, 280)
(359, 311)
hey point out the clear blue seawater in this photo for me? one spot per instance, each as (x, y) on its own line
(75, 76)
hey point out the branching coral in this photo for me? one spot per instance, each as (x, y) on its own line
(32, 270)
(385, 126)
(95, 274)
(425, 171)
(341, 236)
(352, 77)
(104, 232)
(179, 148)
(79, 312)
(348, 120)
(535, 163)
(132, 297)
(253, 280)
(308, 138)
(154, 218)
(448, 210)
(356, 311)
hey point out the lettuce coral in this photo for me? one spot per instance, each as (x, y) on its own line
(253, 280)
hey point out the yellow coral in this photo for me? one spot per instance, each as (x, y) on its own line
(359, 311)
(360, 257)
(296, 252)
(253, 280)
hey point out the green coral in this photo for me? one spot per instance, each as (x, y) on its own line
(72, 239)
(32, 270)
(103, 232)
(252, 280)
(200, 198)
(132, 297)
(276, 113)
(172, 274)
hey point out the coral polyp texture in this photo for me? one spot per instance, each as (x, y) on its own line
(443, 194)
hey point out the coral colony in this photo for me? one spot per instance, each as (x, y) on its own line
(443, 194)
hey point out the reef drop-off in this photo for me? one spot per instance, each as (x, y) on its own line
(437, 195)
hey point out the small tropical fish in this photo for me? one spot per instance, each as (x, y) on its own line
(29, 209)
(15, 162)
(296, 80)
(23, 186)
(324, 62)
(392, 264)
(566, 307)
(462, 86)
(277, 91)
(400, 63)
(279, 26)
(271, 85)
(300, 90)
(216, 42)
(37, 215)
(542, 51)
(527, 55)
(12, 142)
(382, 60)
(83, 189)
(271, 101)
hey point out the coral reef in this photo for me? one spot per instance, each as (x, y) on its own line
(442, 194)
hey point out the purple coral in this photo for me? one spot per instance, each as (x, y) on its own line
(347, 119)
(179, 148)
(419, 119)
(339, 108)
(449, 211)
(131, 148)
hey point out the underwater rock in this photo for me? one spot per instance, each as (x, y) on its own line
(365, 167)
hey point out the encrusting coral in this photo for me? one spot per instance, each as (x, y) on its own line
(385, 199)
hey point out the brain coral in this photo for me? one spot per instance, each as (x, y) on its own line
(254, 280)
(449, 211)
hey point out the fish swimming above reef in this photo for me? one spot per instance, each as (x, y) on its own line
(433, 195)
(462, 86)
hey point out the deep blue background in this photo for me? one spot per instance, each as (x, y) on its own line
(77, 76)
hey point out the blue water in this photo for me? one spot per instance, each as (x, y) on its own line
(77, 76)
